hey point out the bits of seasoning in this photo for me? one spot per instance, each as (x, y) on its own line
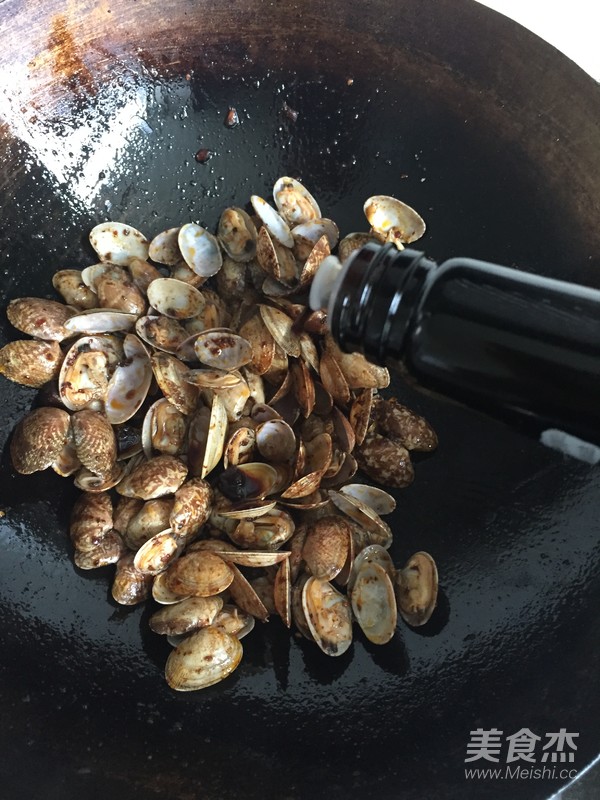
(203, 155)
(290, 113)
(232, 119)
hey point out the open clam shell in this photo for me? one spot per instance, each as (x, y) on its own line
(129, 384)
(188, 615)
(245, 596)
(118, 243)
(276, 441)
(207, 431)
(175, 299)
(164, 248)
(222, 349)
(100, 320)
(294, 202)
(280, 326)
(282, 593)
(373, 603)
(272, 221)
(328, 616)
(393, 219)
(156, 553)
(171, 374)
(417, 588)
(200, 250)
(164, 429)
(237, 234)
(326, 547)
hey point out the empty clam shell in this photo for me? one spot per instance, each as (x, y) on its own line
(280, 327)
(118, 243)
(175, 299)
(328, 616)
(276, 260)
(294, 202)
(246, 597)
(200, 250)
(129, 384)
(417, 589)
(202, 659)
(164, 248)
(272, 221)
(237, 234)
(388, 215)
(373, 603)
(222, 349)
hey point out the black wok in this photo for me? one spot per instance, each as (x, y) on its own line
(493, 136)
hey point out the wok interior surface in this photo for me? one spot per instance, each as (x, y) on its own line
(102, 121)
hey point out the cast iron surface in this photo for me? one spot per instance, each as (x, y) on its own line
(493, 137)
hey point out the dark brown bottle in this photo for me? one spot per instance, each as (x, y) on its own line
(502, 340)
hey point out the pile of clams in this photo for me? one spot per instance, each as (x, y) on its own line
(214, 429)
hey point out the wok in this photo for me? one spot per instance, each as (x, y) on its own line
(493, 136)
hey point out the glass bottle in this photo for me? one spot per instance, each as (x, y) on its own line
(502, 340)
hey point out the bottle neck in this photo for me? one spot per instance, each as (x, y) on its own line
(373, 302)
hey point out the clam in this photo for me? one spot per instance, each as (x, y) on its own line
(359, 415)
(91, 520)
(276, 260)
(373, 603)
(161, 593)
(142, 274)
(385, 461)
(206, 438)
(161, 332)
(393, 220)
(213, 378)
(252, 558)
(156, 477)
(297, 607)
(233, 621)
(272, 221)
(31, 362)
(95, 442)
(130, 382)
(156, 553)
(280, 327)
(66, 462)
(294, 202)
(328, 616)
(170, 374)
(320, 251)
(377, 499)
(354, 241)
(199, 574)
(333, 379)
(246, 597)
(130, 586)
(164, 429)
(240, 447)
(222, 349)
(304, 387)
(326, 547)
(70, 284)
(373, 554)
(83, 378)
(90, 482)
(200, 250)
(152, 518)
(416, 589)
(38, 439)
(237, 234)
(125, 510)
(202, 659)
(399, 422)
(191, 507)
(118, 243)
(364, 516)
(115, 289)
(164, 248)
(269, 531)
(234, 399)
(262, 343)
(307, 234)
(43, 319)
(108, 551)
(231, 280)
(100, 320)
(175, 299)
(282, 593)
(188, 615)
(318, 457)
(275, 440)
(358, 372)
